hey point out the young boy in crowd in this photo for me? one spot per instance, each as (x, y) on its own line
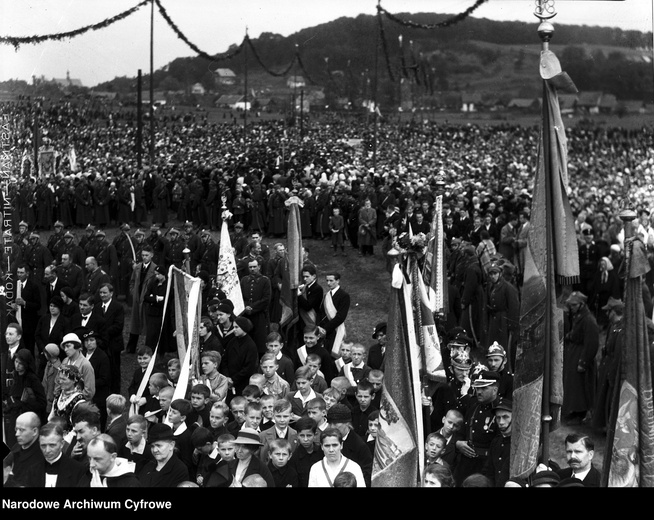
(282, 413)
(342, 385)
(150, 402)
(318, 384)
(116, 405)
(283, 474)
(253, 415)
(205, 453)
(267, 410)
(356, 370)
(237, 411)
(219, 473)
(177, 414)
(200, 400)
(451, 432)
(136, 450)
(317, 410)
(174, 368)
(218, 419)
(331, 397)
(257, 380)
(434, 449)
(299, 399)
(285, 366)
(373, 429)
(274, 384)
(218, 383)
(307, 452)
(252, 393)
(364, 395)
(143, 357)
(344, 353)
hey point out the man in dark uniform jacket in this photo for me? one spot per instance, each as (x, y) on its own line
(479, 428)
(56, 240)
(256, 298)
(95, 277)
(113, 313)
(174, 254)
(71, 275)
(376, 352)
(76, 252)
(498, 463)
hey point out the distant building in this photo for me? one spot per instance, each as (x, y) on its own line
(225, 77)
(198, 89)
(296, 82)
(471, 101)
(589, 102)
(523, 104)
(68, 82)
(229, 100)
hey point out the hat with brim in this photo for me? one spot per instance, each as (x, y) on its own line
(576, 297)
(160, 432)
(494, 268)
(173, 231)
(71, 337)
(248, 436)
(486, 378)
(52, 350)
(545, 477)
(612, 304)
(379, 328)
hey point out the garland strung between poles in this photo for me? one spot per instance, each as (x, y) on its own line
(17, 41)
(445, 23)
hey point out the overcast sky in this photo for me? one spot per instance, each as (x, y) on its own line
(213, 25)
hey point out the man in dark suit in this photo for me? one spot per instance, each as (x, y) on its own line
(355, 448)
(101, 368)
(142, 273)
(309, 299)
(113, 313)
(88, 318)
(333, 313)
(58, 469)
(71, 275)
(53, 283)
(580, 450)
(27, 305)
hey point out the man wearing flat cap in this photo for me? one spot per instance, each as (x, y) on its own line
(174, 252)
(479, 427)
(581, 342)
(608, 366)
(498, 462)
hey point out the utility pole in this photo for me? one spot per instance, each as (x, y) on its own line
(139, 121)
(152, 84)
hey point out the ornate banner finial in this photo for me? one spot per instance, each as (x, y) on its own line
(545, 9)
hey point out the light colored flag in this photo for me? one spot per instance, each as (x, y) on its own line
(227, 276)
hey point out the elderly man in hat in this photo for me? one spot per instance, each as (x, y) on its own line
(609, 363)
(581, 342)
(497, 464)
(479, 427)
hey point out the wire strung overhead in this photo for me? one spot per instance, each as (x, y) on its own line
(445, 23)
(17, 41)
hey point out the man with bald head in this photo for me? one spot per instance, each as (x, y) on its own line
(26, 452)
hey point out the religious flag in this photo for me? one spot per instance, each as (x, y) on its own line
(72, 159)
(227, 276)
(433, 272)
(292, 265)
(629, 454)
(551, 264)
(398, 456)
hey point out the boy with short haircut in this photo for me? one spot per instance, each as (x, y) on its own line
(373, 429)
(299, 399)
(451, 432)
(136, 450)
(434, 449)
(237, 411)
(116, 405)
(143, 357)
(177, 414)
(252, 416)
(285, 366)
(267, 410)
(274, 384)
(218, 419)
(282, 413)
(165, 398)
(218, 383)
(174, 368)
(314, 363)
(280, 454)
(364, 395)
(356, 370)
(307, 452)
(219, 474)
(317, 410)
(205, 453)
(252, 393)
(344, 353)
(257, 380)
(200, 399)
(150, 402)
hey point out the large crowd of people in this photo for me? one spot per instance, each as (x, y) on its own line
(272, 407)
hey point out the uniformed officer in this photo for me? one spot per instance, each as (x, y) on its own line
(159, 243)
(496, 361)
(95, 277)
(75, 251)
(257, 293)
(193, 242)
(210, 254)
(71, 275)
(498, 463)
(479, 427)
(87, 243)
(106, 256)
(126, 253)
(175, 249)
(56, 240)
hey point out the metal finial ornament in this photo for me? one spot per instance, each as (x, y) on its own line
(545, 9)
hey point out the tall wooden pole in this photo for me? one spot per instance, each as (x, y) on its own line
(152, 84)
(245, 95)
(374, 101)
(139, 121)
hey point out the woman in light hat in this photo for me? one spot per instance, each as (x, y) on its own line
(247, 462)
(72, 347)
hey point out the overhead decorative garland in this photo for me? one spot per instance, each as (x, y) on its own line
(382, 34)
(17, 41)
(445, 23)
(201, 53)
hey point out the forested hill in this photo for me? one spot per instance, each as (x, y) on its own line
(459, 57)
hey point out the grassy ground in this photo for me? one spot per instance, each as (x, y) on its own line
(368, 283)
